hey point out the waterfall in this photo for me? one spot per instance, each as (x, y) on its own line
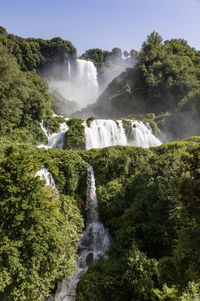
(93, 244)
(69, 69)
(78, 84)
(103, 133)
(55, 140)
(142, 135)
(45, 175)
(84, 83)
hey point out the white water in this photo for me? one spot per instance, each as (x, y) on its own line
(45, 175)
(79, 83)
(103, 133)
(55, 140)
(93, 244)
(142, 135)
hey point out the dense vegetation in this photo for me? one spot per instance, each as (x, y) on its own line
(75, 137)
(165, 79)
(37, 54)
(149, 199)
(39, 226)
(48, 58)
(24, 102)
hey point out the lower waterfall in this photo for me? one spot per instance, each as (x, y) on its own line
(93, 244)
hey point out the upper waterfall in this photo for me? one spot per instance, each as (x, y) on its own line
(79, 83)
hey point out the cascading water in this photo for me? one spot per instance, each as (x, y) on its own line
(86, 80)
(142, 135)
(45, 175)
(79, 83)
(95, 239)
(93, 244)
(103, 133)
(55, 140)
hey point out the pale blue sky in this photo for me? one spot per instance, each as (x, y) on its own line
(103, 24)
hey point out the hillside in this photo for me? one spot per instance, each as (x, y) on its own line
(165, 81)
(105, 193)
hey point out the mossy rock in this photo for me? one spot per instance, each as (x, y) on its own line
(75, 137)
(52, 124)
(127, 126)
(89, 121)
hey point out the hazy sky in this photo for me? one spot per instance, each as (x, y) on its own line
(103, 24)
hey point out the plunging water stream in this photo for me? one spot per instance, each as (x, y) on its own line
(93, 244)
(79, 83)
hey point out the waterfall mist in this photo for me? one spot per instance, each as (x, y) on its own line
(76, 88)
(115, 66)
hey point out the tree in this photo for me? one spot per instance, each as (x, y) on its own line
(39, 232)
(126, 53)
(116, 52)
(153, 40)
(3, 31)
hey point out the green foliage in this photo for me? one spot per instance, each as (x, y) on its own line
(75, 137)
(62, 106)
(3, 31)
(127, 126)
(152, 214)
(172, 294)
(97, 56)
(37, 54)
(165, 80)
(53, 124)
(89, 121)
(128, 278)
(148, 199)
(39, 228)
(24, 102)
(193, 139)
(187, 188)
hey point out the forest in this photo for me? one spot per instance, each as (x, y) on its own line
(148, 198)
